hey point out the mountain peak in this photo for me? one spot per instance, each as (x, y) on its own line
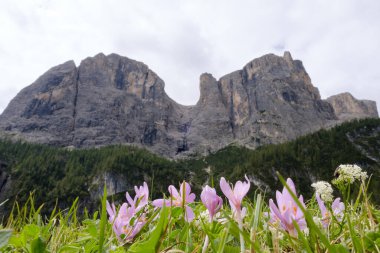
(347, 107)
(288, 57)
(111, 99)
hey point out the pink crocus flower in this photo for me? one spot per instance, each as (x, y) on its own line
(211, 200)
(180, 199)
(337, 207)
(235, 194)
(141, 198)
(213, 203)
(287, 210)
(127, 222)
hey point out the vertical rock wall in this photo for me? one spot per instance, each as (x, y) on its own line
(115, 100)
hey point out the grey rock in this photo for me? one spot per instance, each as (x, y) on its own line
(43, 111)
(346, 107)
(209, 126)
(115, 100)
(121, 101)
(114, 182)
(272, 100)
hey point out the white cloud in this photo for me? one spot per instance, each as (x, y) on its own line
(337, 40)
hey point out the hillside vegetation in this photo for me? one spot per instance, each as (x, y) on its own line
(60, 176)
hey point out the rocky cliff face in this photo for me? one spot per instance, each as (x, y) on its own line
(346, 107)
(116, 100)
(106, 100)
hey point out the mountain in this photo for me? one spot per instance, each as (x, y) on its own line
(115, 100)
(57, 174)
(346, 107)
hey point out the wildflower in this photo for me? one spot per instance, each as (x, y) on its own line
(211, 200)
(213, 203)
(129, 220)
(179, 199)
(125, 223)
(316, 219)
(202, 216)
(205, 215)
(223, 220)
(324, 190)
(348, 173)
(141, 198)
(235, 196)
(337, 208)
(287, 210)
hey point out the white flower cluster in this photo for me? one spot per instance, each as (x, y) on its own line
(324, 190)
(348, 173)
(317, 220)
(204, 216)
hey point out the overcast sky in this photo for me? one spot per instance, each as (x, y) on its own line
(338, 41)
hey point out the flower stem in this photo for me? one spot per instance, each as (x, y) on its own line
(240, 222)
(205, 245)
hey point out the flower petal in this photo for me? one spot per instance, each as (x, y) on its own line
(241, 189)
(321, 205)
(129, 199)
(280, 200)
(187, 188)
(189, 216)
(161, 202)
(109, 209)
(205, 194)
(173, 192)
(190, 198)
(227, 191)
(291, 185)
(274, 210)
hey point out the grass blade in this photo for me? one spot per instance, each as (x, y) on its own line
(5, 234)
(103, 220)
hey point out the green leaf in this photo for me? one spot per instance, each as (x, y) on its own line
(91, 227)
(5, 234)
(184, 232)
(355, 240)
(117, 250)
(255, 224)
(30, 232)
(223, 241)
(189, 241)
(153, 243)
(174, 233)
(176, 212)
(69, 249)
(38, 246)
(236, 231)
(231, 249)
(257, 213)
(302, 237)
(340, 248)
(371, 240)
(16, 241)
